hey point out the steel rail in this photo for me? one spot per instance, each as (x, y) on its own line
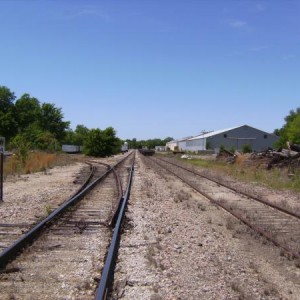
(119, 185)
(92, 172)
(9, 253)
(291, 213)
(236, 215)
(107, 273)
(115, 209)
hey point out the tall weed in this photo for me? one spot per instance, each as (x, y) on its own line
(35, 162)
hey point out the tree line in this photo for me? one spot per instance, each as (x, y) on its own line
(150, 143)
(28, 124)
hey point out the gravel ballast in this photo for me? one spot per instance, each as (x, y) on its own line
(177, 245)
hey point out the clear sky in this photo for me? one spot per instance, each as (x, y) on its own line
(155, 68)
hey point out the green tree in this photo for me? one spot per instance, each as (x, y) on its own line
(112, 142)
(51, 120)
(101, 142)
(76, 137)
(27, 111)
(293, 130)
(46, 141)
(93, 144)
(80, 134)
(166, 140)
(69, 138)
(133, 144)
(8, 125)
(7, 99)
(290, 130)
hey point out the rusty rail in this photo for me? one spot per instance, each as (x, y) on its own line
(11, 252)
(107, 273)
(291, 213)
(236, 215)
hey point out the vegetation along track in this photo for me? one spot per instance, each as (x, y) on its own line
(275, 223)
(66, 259)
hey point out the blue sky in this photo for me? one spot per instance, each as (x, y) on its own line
(155, 68)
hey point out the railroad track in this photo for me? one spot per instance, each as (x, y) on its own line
(277, 224)
(11, 232)
(67, 253)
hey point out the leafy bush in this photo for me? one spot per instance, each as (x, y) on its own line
(246, 148)
(21, 146)
(101, 142)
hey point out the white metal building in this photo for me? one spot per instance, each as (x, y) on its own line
(160, 148)
(235, 137)
(172, 145)
(182, 143)
(178, 145)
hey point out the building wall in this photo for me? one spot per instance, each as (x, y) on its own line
(182, 145)
(196, 145)
(171, 145)
(260, 140)
(160, 148)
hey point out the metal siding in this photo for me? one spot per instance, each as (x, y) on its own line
(258, 144)
(70, 148)
(182, 145)
(196, 145)
(172, 145)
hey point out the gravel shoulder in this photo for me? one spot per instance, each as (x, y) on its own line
(177, 245)
(30, 197)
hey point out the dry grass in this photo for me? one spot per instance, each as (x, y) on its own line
(240, 159)
(274, 178)
(39, 161)
(36, 162)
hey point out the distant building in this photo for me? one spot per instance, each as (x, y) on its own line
(71, 148)
(160, 148)
(235, 137)
(182, 143)
(172, 145)
(178, 145)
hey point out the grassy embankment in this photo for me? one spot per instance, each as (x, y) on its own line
(35, 162)
(275, 178)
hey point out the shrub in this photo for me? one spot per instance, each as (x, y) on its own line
(246, 148)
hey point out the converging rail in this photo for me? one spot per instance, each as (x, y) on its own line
(9, 253)
(66, 260)
(277, 224)
(11, 231)
(107, 273)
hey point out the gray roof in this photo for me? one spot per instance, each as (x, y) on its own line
(212, 133)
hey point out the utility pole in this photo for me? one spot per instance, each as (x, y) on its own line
(2, 149)
(1, 175)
